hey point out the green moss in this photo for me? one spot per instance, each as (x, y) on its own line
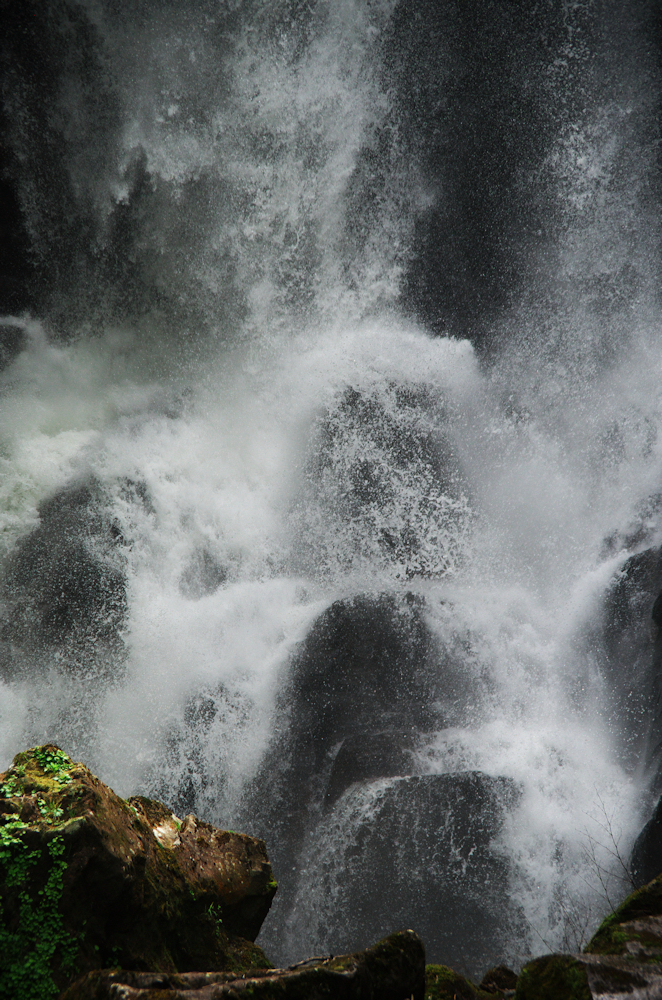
(553, 977)
(442, 983)
(53, 761)
(33, 940)
(612, 935)
(245, 956)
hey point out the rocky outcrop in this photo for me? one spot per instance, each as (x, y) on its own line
(90, 880)
(588, 977)
(393, 969)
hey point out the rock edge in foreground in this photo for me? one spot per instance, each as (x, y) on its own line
(392, 969)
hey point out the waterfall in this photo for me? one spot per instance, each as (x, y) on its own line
(330, 443)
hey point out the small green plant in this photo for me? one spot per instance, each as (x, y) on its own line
(215, 913)
(51, 812)
(54, 762)
(11, 787)
(31, 945)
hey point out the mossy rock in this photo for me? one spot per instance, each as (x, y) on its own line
(498, 979)
(634, 928)
(442, 983)
(89, 880)
(553, 977)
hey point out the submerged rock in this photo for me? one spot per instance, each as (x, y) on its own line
(90, 880)
(415, 851)
(392, 969)
(64, 584)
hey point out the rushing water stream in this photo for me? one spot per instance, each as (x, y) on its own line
(331, 409)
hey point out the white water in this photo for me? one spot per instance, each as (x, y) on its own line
(556, 442)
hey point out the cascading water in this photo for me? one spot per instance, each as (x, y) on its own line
(330, 417)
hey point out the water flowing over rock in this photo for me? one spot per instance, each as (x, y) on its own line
(65, 587)
(419, 849)
(330, 443)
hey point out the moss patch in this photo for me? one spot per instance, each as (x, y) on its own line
(631, 922)
(553, 977)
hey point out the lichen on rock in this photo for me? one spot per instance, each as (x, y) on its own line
(90, 880)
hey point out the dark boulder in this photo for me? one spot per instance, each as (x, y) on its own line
(552, 977)
(419, 851)
(442, 983)
(381, 486)
(499, 980)
(90, 880)
(367, 666)
(629, 649)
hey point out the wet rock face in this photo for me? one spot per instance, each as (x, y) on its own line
(369, 756)
(365, 664)
(12, 335)
(630, 655)
(64, 585)
(418, 851)
(106, 882)
(646, 859)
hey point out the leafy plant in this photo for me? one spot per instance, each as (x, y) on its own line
(28, 951)
(55, 762)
